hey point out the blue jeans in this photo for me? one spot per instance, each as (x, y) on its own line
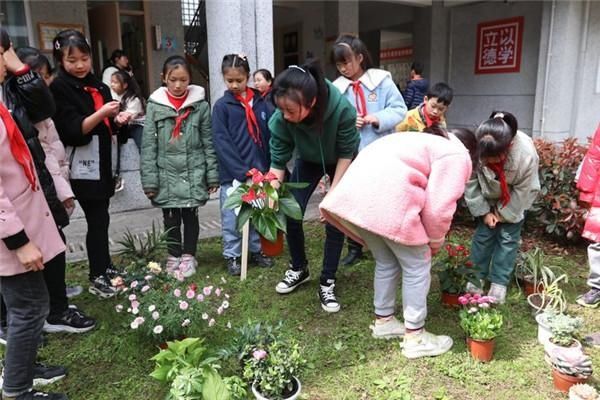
(494, 251)
(27, 304)
(232, 238)
(334, 239)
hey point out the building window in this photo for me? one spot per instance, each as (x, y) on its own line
(13, 19)
(188, 9)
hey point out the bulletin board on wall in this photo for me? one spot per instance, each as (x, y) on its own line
(47, 31)
(397, 61)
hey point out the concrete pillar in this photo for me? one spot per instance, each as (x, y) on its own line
(440, 43)
(557, 82)
(238, 26)
(348, 16)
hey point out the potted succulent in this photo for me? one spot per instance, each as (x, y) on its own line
(481, 323)
(551, 296)
(454, 270)
(265, 207)
(531, 271)
(274, 369)
(563, 328)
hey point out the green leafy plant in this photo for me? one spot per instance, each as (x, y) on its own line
(248, 337)
(237, 387)
(556, 209)
(139, 250)
(532, 267)
(264, 206)
(552, 296)
(189, 371)
(395, 387)
(564, 328)
(272, 369)
(166, 310)
(478, 318)
(454, 269)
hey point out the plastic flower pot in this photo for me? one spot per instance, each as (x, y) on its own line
(481, 350)
(450, 299)
(544, 331)
(272, 249)
(293, 396)
(564, 382)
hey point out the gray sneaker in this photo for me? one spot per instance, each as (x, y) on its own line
(425, 344)
(387, 330)
(590, 299)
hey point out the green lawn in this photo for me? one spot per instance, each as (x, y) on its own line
(111, 362)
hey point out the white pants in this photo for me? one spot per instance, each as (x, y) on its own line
(593, 251)
(392, 261)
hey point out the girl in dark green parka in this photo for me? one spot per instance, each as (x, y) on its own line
(179, 164)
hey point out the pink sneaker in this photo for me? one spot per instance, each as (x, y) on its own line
(188, 265)
(172, 263)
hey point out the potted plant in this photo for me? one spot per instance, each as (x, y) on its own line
(563, 328)
(274, 369)
(247, 338)
(191, 373)
(165, 310)
(531, 271)
(481, 323)
(582, 391)
(454, 270)
(550, 297)
(265, 207)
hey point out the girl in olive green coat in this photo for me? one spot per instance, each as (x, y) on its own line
(179, 164)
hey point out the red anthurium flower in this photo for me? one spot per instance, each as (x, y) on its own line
(257, 178)
(262, 195)
(193, 287)
(270, 176)
(250, 196)
(252, 172)
(469, 264)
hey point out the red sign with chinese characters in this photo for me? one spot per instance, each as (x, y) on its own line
(499, 46)
(395, 53)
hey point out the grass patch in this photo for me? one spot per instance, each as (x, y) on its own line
(345, 363)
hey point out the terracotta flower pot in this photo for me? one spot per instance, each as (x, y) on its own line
(291, 396)
(481, 350)
(450, 299)
(272, 249)
(564, 382)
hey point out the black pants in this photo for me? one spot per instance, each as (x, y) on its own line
(96, 240)
(54, 277)
(173, 217)
(354, 245)
(334, 239)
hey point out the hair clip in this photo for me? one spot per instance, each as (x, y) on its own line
(344, 44)
(297, 67)
(499, 115)
(243, 56)
(56, 45)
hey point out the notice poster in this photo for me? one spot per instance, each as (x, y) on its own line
(499, 46)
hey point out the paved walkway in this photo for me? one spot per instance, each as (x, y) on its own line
(140, 221)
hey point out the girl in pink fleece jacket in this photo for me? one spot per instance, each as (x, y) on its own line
(398, 197)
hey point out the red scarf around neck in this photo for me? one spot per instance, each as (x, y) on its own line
(498, 169)
(429, 120)
(359, 96)
(253, 128)
(98, 103)
(18, 147)
(178, 121)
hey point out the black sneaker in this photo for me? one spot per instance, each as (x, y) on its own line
(112, 272)
(37, 395)
(354, 255)
(71, 321)
(327, 296)
(292, 280)
(261, 260)
(46, 374)
(233, 266)
(102, 288)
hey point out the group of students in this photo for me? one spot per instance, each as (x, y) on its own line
(396, 193)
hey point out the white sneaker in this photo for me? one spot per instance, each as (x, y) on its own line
(470, 288)
(498, 292)
(188, 265)
(172, 263)
(425, 344)
(389, 329)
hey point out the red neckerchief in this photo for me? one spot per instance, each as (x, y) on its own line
(429, 120)
(498, 169)
(177, 102)
(18, 147)
(98, 103)
(178, 121)
(253, 128)
(359, 96)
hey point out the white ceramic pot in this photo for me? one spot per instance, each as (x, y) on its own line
(544, 332)
(294, 396)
